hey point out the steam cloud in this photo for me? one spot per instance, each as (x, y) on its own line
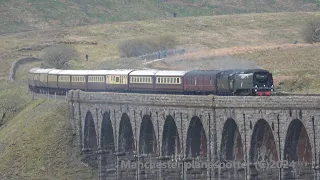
(212, 63)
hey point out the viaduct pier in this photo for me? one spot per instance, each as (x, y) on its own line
(113, 128)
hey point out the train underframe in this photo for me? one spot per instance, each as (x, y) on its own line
(247, 92)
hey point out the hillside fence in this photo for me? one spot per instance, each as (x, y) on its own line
(161, 54)
(17, 63)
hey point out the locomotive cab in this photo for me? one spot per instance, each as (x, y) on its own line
(252, 82)
(263, 83)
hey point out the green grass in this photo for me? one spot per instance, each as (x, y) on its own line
(38, 144)
(36, 140)
(24, 15)
(296, 69)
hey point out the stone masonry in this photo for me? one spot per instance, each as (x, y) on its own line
(114, 128)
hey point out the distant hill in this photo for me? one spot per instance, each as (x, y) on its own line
(24, 15)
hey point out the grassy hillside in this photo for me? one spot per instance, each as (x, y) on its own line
(192, 33)
(23, 15)
(37, 143)
(36, 138)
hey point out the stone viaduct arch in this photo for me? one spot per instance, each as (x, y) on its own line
(263, 145)
(147, 137)
(170, 138)
(196, 143)
(90, 143)
(107, 138)
(126, 139)
(297, 143)
(152, 128)
(231, 144)
(90, 135)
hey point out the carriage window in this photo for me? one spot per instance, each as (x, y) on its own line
(117, 79)
(178, 80)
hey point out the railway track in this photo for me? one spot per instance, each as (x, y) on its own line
(293, 94)
(63, 97)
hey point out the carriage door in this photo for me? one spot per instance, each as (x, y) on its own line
(231, 83)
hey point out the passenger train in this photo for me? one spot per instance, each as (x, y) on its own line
(235, 82)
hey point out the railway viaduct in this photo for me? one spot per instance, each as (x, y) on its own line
(113, 128)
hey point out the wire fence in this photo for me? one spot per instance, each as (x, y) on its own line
(161, 54)
(15, 65)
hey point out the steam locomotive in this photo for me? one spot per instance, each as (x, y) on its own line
(235, 82)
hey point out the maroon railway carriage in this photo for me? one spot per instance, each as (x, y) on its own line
(203, 81)
(142, 80)
(169, 81)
